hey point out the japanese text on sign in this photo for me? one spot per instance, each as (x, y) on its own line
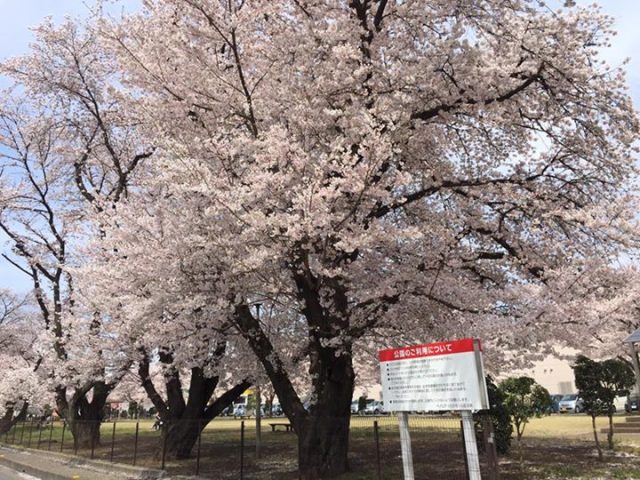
(437, 376)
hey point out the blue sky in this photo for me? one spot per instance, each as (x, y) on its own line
(17, 16)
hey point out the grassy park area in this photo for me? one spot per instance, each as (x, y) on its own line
(556, 447)
(562, 446)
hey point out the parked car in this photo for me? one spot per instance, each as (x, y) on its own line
(570, 404)
(354, 407)
(240, 411)
(555, 403)
(631, 405)
(374, 407)
(619, 404)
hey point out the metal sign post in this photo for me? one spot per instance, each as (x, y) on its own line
(405, 444)
(471, 448)
(468, 427)
(431, 377)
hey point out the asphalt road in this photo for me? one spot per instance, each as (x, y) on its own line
(8, 474)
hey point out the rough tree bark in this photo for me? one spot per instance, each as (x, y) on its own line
(323, 428)
(182, 421)
(323, 434)
(9, 419)
(84, 417)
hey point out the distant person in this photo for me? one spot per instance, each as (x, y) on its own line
(158, 423)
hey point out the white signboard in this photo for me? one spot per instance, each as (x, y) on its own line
(435, 376)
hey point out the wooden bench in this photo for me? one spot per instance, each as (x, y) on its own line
(286, 427)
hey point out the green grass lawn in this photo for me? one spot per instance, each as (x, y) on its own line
(566, 425)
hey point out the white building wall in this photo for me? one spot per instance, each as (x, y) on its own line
(555, 375)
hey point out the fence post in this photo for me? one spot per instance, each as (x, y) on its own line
(30, 433)
(198, 452)
(471, 447)
(39, 437)
(64, 428)
(113, 439)
(75, 441)
(258, 421)
(22, 432)
(135, 443)
(242, 450)
(376, 436)
(50, 435)
(93, 440)
(488, 435)
(13, 437)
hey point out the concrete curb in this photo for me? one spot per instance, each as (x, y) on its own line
(18, 459)
(31, 470)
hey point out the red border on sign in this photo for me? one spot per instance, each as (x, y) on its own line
(427, 350)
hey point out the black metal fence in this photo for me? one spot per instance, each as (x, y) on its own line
(228, 448)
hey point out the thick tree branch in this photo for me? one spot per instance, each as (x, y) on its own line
(430, 113)
(252, 331)
(226, 399)
(377, 19)
(149, 387)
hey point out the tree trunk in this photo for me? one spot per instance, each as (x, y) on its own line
(85, 432)
(323, 427)
(83, 417)
(270, 398)
(183, 421)
(9, 419)
(181, 437)
(323, 445)
(520, 453)
(323, 436)
(182, 430)
(595, 436)
(610, 432)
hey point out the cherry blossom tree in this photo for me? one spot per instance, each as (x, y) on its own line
(185, 358)
(20, 386)
(68, 154)
(94, 151)
(592, 308)
(372, 170)
(39, 224)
